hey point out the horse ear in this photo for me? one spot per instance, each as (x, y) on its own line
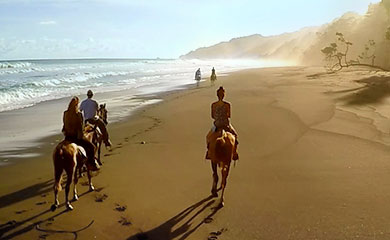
(104, 105)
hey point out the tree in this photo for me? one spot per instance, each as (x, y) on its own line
(336, 58)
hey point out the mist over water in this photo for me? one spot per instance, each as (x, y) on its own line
(26, 83)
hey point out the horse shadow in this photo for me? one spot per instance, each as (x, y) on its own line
(12, 226)
(26, 193)
(166, 230)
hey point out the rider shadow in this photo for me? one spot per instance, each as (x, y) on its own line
(12, 225)
(165, 231)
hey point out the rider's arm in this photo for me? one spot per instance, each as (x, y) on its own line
(228, 110)
(213, 111)
(79, 126)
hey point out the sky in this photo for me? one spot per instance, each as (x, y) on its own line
(36, 29)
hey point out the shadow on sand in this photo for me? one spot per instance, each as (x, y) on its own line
(375, 89)
(27, 225)
(174, 229)
(26, 193)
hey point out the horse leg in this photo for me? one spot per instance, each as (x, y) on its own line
(225, 173)
(99, 146)
(75, 181)
(215, 180)
(69, 178)
(57, 186)
(91, 187)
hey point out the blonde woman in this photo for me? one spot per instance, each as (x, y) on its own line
(73, 131)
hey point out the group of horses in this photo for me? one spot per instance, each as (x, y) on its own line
(71, 158)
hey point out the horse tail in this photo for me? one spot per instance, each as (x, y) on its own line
(220, 147)
(58, 158)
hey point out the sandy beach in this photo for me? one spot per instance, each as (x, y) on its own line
(314, 164)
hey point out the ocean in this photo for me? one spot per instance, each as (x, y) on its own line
(34, 93)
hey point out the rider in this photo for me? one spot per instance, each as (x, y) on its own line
(197, 74)
(73, 131)
(213, 75)
(220, 112)
(90, 107)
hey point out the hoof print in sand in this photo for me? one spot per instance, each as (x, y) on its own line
(215, 235)
(101, 197)
(124, 221)
(208, 220)
(41, 203)
(120, 208)
(20, 212)
(43, 236)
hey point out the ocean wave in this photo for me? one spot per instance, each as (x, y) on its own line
(15, 64)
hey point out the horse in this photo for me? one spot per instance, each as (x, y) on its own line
(102, 113)
(221, 149)
(69, 157)
(95, 136)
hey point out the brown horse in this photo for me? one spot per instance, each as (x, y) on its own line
(94, 135)
(221, 150)
(102, 113)
(69, 157)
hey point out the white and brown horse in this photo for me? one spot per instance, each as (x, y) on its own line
(68, 157)
(221, 151)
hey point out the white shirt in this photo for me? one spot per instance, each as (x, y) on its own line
(89, 107)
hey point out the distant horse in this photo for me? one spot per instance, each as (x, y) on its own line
(221, 148)
(213, 77)
(69, 157)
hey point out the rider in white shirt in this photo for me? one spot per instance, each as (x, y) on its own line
(90, 108)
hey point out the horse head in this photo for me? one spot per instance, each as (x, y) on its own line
(102, 113)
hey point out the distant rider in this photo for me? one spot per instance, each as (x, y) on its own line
(198, 74)
(90, 108)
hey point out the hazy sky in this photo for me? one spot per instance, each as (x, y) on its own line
(150, 28)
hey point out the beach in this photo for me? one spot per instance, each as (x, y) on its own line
(314, 164)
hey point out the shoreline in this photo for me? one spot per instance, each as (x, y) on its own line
(304, 165)
(138, 100)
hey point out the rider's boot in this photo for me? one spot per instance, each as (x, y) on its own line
(93, 165)
(108, 143)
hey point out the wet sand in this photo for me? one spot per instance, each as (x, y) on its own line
(313, 165)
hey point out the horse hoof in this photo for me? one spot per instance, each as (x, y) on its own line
(91, 188)
(69, 207)
(75, 198)
(53, 207)
(221, 204)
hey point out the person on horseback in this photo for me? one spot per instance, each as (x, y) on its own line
(213, 76)
(73, 131)
(220, 112)
(90, 107)
(198, 75)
